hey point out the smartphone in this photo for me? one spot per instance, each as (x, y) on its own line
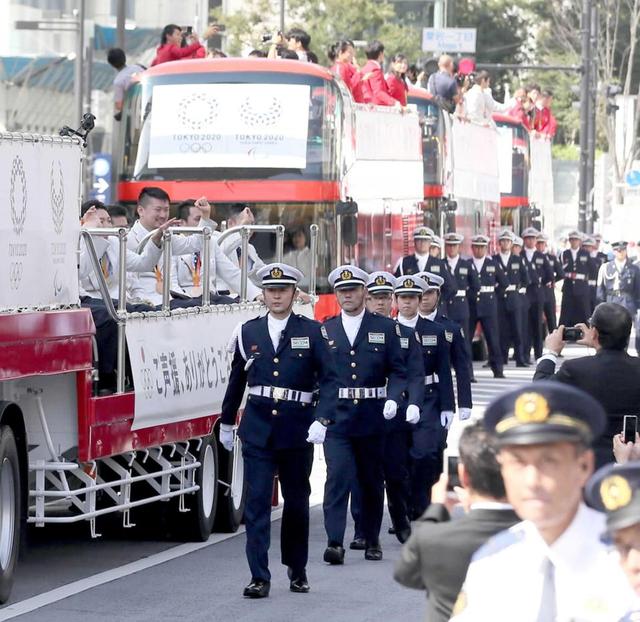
(221, 27)
(451, 469)
(189, 30)
(630, 428)
(572, 334)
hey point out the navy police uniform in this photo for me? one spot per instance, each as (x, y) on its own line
(370, 371)
(510, 303)
(484, 307)
(412, 264)
(576, 296)
(540, 276)
(550, 304)
(281, 406)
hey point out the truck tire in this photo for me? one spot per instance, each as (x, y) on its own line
(197, 524)
(10, 502)
(231, 499)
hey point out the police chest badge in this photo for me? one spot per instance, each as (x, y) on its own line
(615, 492)
(429, 340)
(583, 259)
(464, 271)
(531, 408)
(300, 343)
(376, 337)
(491, 268)
(448, 336)
(404, 343)
(435, 268)
(539, 261)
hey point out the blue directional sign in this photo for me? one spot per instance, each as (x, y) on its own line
(101, 177)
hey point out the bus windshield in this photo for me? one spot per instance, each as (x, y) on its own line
(208, 126)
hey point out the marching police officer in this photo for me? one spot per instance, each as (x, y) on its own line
(589, 244)
(576, 297)
(615, 490)
(282, 357)
(423, 261)
(510, 304)
(619, 281)
(368, 356)
(429, 435)
(549, 306)
(540, 276)
(455, 340)
(483, 306)
(380, 288)
(467, 284)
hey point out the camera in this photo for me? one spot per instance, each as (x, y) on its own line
(573, 334)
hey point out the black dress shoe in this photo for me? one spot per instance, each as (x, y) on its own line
(358, 544)
(522, 364)
(299, 583)
(403, 534)
(334, 555)
(473, 381)
(373, 553)
(498, 374)
(257, 589)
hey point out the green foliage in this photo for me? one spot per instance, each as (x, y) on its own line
(565, 152)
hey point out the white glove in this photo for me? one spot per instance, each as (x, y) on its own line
(446, 417)
(390, 409)
(413, 414)
(226, 436)
(464, 413)
(316, 434)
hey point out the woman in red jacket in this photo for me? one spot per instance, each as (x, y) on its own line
(171, 40)
(396, 81)
(341, 54)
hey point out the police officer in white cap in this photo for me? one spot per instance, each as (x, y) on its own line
(283, 358)
(578, 265)
(371, 379)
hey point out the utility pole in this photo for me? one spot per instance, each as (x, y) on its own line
(282, 5)
(585, 113)
(120, 23)
(78, 82)
(591, 136)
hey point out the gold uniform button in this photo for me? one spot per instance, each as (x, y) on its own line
(276, 360)
(353, 376)
(353, 365)
(355, 401)
(276, 373)
(274, 412)
(352, 353)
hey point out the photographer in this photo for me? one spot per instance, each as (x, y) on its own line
(612, 376)
(170, 47)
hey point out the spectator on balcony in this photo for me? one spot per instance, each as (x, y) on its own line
(171, 48)
(443, 85)
(374, 87)
(341, 54)
(118, 60)
(396, 79)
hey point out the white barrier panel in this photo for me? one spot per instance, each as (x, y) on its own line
(181, 364)
(40, 190)
(475, 162)
(505, 159)
(541, 174)
(229, 125)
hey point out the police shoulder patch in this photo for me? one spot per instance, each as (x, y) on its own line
(323, 332)
(448, 336)
(398, 331)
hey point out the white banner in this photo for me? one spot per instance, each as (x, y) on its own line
(229, 126)
(505, 158)
(475, 162)
(181, 365)
(40, 188)
(541, 174)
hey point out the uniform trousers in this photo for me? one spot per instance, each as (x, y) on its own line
(575, 308)
(510, 330)
(342, 454)
(549, 309)
(533, 334)
(293, 467)
(489, 324)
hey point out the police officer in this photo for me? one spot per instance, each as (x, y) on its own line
(510, 315)
(423, 261)
(549, 306)
(523, 299)
(380, 287)
(590, 245)
(467, 285)
(429, 435)
(436, 247)
(552, 566)
(483, 306)
(615, 490)
(371, 380)
(540, 276)
(455, 340)
(576, 297)
(282, 357)
(619, 281)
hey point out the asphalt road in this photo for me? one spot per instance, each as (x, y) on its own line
(135, 574)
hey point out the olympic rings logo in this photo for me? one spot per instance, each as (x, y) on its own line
(196, 147)
(18, 204)
(16, 270)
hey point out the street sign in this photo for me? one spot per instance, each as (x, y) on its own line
(633, 178)
(101, 178)
(449, 40)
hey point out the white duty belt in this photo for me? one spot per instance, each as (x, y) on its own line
(487, 289)
(362, 393)
(280, 393)
(431, 379)
(522, 290)
(461, 293)
(576, 276)
(592, 283)
(510, 288)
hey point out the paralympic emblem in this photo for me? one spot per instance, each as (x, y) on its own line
(18, 195)
(262, 114)
(57, 196)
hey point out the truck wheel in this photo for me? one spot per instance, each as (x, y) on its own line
(9, 510)
(231, 499)
(197, 524)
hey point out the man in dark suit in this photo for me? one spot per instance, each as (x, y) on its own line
(611, 376)
(436, 556)
(282, 358)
